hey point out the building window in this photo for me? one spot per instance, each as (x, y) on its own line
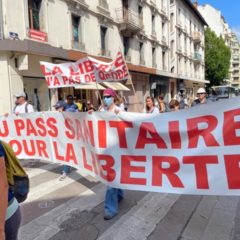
(103, 33)
(140, 12)
(153, 25)
(164, 67)
(75, 29)
(33, 11)
(172, 48)
(154, 57)
(141, 51)
(171, 2)
(179, 16)
(171, 21)
(126, 46)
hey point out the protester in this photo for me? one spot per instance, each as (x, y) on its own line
(113, 195)
(36, 101)
(79, 104)
(10, 215)
(174, 105)
(149, 107)
(90, 107)
(162, 104)
(201, 94)
(70, 106)
(22, 106)
(120, 102)
(59, 106)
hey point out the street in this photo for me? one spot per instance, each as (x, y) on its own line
(73, 209)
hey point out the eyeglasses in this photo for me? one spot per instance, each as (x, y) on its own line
(201, 93)
(107, 96)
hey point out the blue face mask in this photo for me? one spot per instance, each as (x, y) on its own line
(108, 101)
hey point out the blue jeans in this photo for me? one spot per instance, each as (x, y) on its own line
(66, 169)
(112, 197)
(12, 226)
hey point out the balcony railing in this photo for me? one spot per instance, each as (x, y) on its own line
(235, 57)
(154, 34)
(164, 68)
(142, 61)
(164, 40)
(163, 11)
(196, 36)
(179, 24)
(105, 53)
(128, 58)
(197, 57)
(103, 4)
(129, 20)
(78, 45)
(153, 2)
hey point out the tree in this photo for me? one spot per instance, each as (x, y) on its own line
(217, 58)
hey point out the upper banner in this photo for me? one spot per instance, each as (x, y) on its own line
(193, 151)
(86, 70)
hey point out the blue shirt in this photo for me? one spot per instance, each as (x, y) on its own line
(71, 108)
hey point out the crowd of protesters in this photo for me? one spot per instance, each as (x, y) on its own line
(162, 106)
(111, 102)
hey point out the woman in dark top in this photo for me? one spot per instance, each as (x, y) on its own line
(10, 215)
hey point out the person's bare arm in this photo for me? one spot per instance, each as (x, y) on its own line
(4, 196)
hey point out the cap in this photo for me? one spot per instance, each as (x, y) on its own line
(201, 90)
(109, 91)
(60, 104)
(20, 94)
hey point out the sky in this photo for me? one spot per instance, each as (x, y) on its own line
(230, 10)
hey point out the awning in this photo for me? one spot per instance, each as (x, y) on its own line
(116, 86)
(194, 79)
(92, 86)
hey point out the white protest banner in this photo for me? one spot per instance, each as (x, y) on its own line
(193, 151)
(86, 70)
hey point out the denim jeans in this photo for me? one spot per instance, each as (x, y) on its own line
(112, 197)
(66, 169)
(12, 226)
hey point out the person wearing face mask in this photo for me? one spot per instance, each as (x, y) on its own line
(113, 195)
(109, 99)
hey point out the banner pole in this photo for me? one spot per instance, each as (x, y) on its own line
(99, 95)
(129, 76)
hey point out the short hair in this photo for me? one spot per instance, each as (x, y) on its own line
(174, 103)
(161, 97)
(70, 97)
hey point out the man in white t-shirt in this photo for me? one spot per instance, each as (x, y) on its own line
(22, 106)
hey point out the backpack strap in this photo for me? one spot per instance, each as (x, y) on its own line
(13, 165)
(26, 107)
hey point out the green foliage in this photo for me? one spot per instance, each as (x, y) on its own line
(217, 58)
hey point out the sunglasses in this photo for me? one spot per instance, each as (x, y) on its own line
(201, 93)
(107, 96)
